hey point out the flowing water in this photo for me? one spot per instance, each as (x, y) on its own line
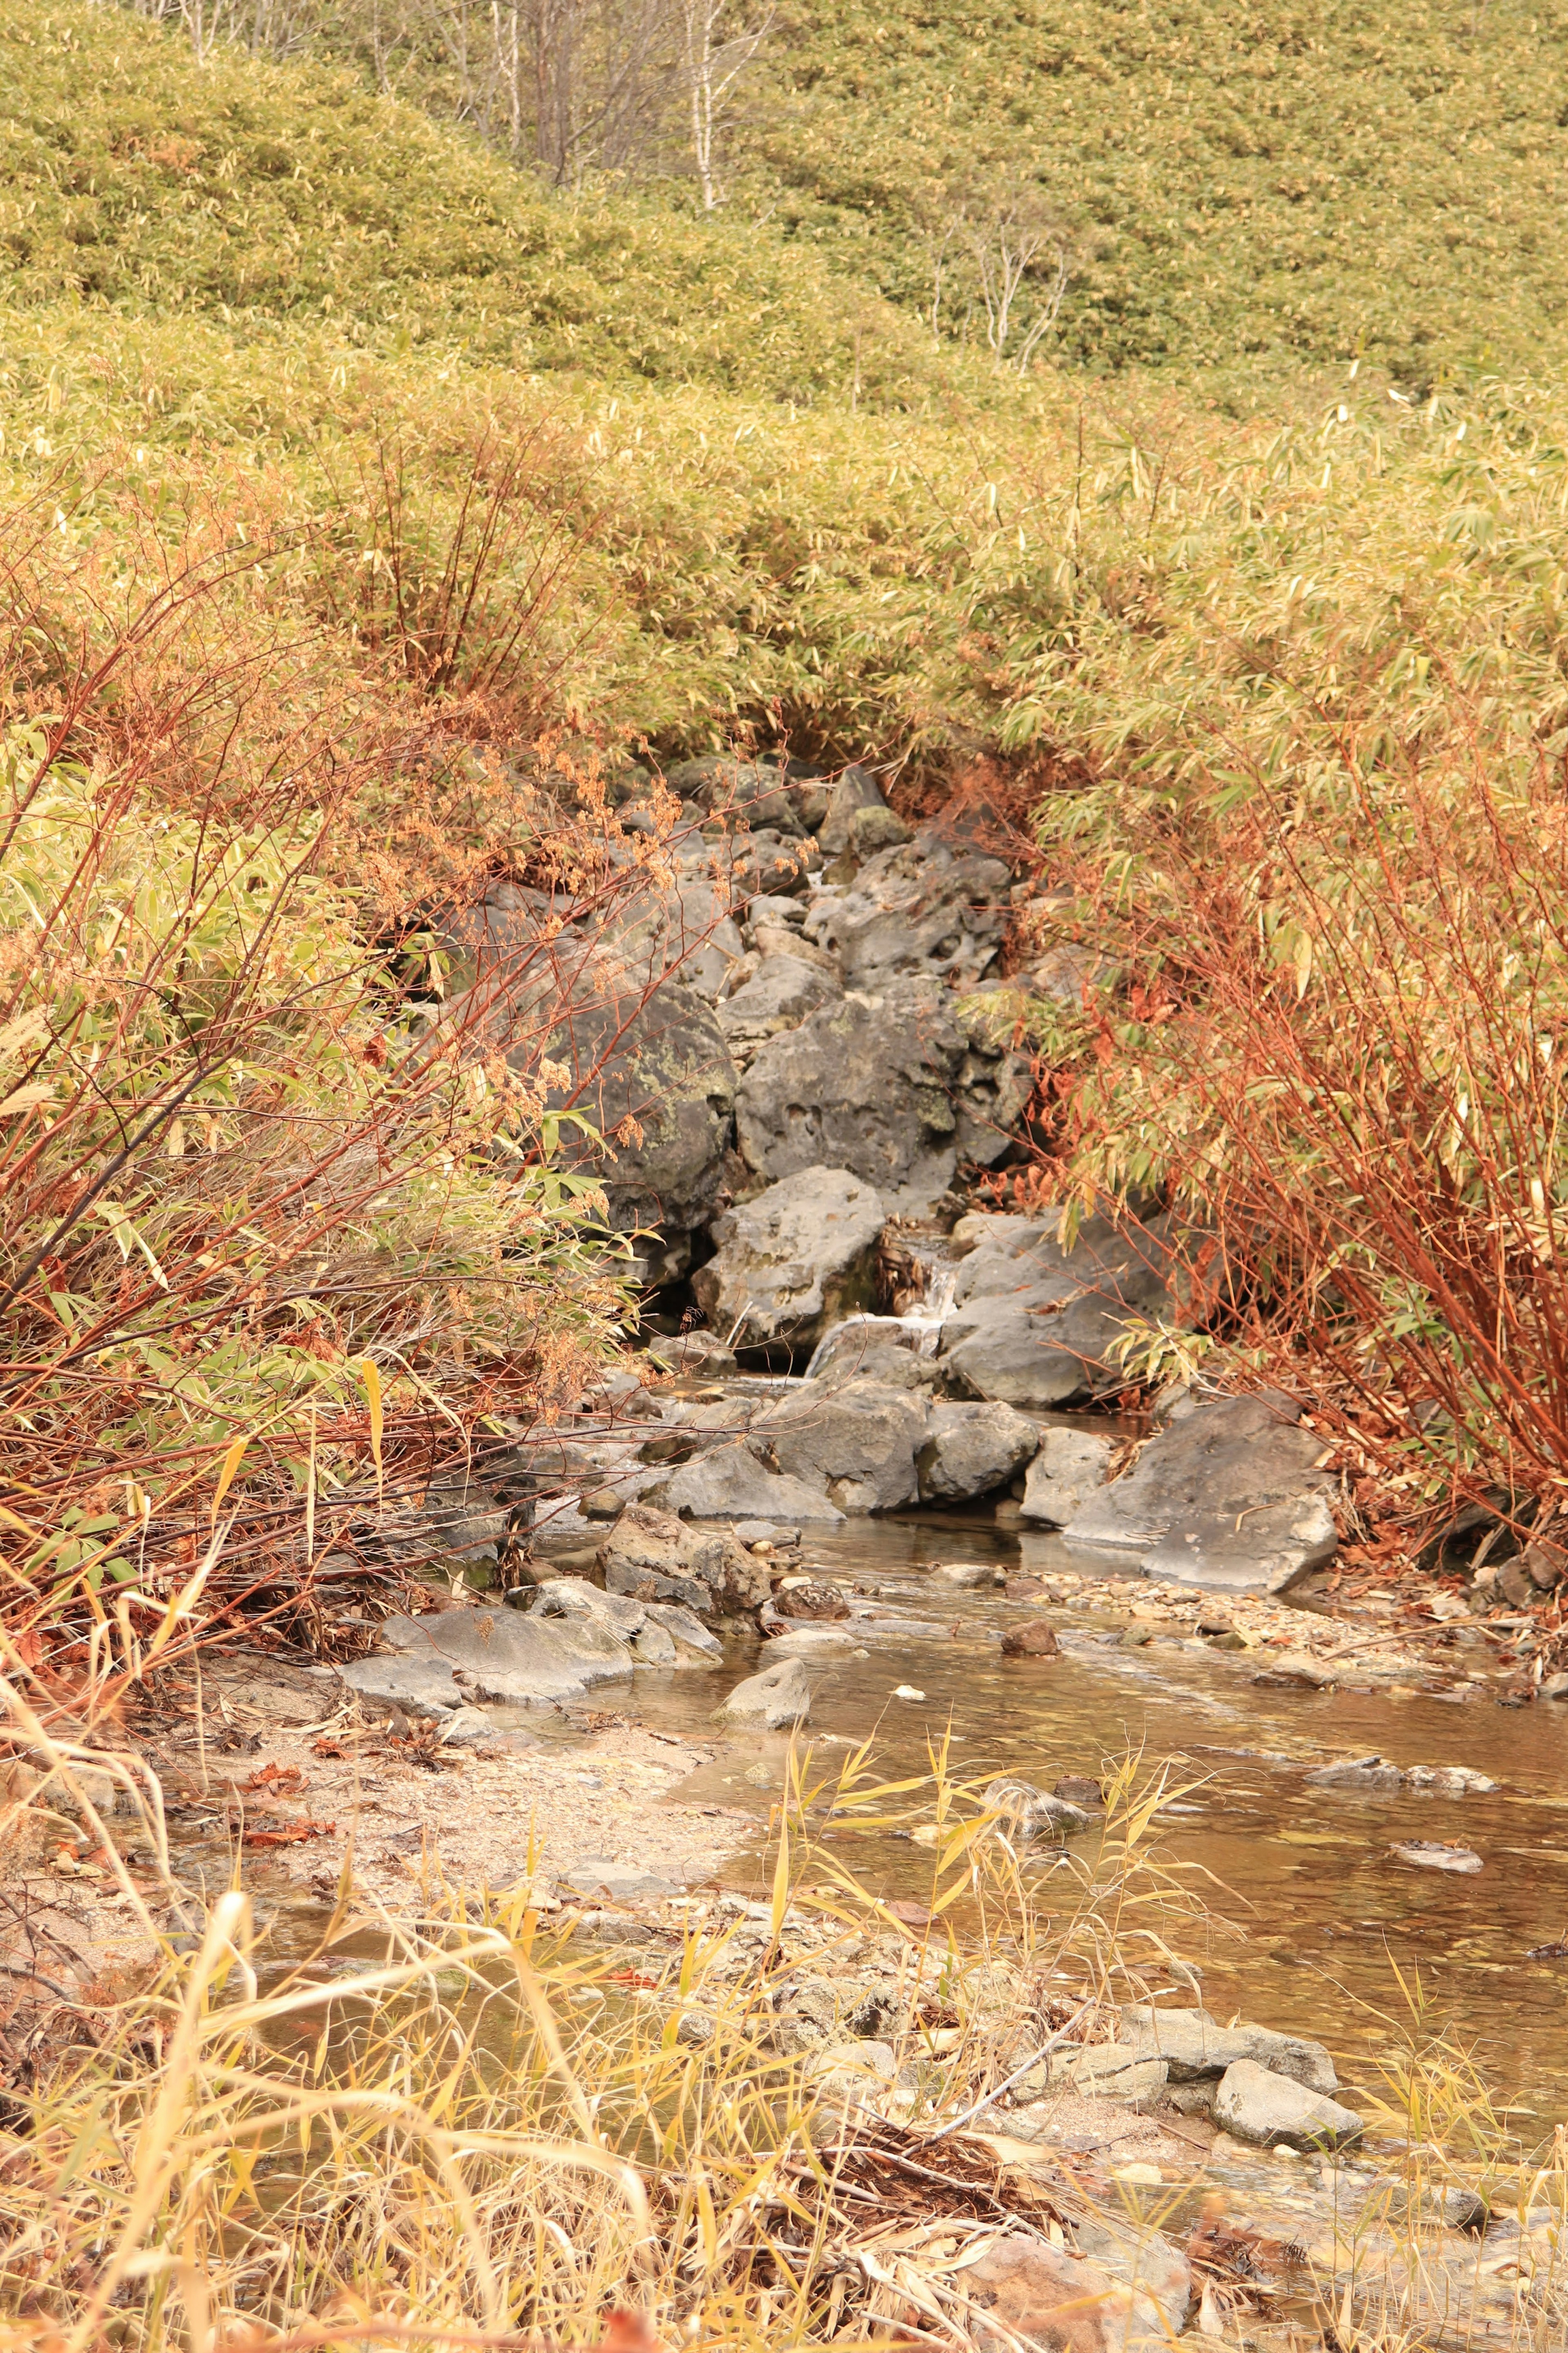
(1329, 1922)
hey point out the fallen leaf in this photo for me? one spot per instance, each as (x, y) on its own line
(291, 1833)
(277, 1778)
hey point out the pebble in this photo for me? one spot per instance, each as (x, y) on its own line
(1436, 1854)
(908, 1691)
(1037, 1639)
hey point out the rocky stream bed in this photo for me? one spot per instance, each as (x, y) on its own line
(863, 1487)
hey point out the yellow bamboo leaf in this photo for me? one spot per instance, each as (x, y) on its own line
(370, 1375)
(226, 1477)
(1303, 961)
(781, 1880)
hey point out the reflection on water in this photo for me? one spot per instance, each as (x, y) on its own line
(1305, 1872)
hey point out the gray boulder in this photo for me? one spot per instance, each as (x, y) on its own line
(779, 1697)
(1254, 2105)
(1228, 1493)
(1196, 2047)
(871, 829)
(972, 1450)
(722, 784)
(794, 1260)
(916, 909)
(438, 1663)
(888, 1087)
(652, 1556)
(612, 1005)
(854, 789)
(781, 993)
(731, 1483)
(857, 1445)
(1071, 1466)
(1033, 1319)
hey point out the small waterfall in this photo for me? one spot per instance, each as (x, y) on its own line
(919, 1330)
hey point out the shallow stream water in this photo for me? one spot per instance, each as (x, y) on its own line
(1329, 1921)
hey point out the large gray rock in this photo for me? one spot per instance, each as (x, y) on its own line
(723, 784)
(731, 1483)
(610, 1003)
(1228, 1493)
(1069, 1468)
(1141, 2257)
(1195, 2047)
(1254, 2105)
(779, 1697)
(888, 1087)
(794, 1260)
(857, 1444)
(920, 908)
(652, 1556)
(458, 1656)
(780, 994)
(973, 1450)
(856, 788)
(1033, 1320)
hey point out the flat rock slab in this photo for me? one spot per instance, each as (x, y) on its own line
(1228, 1494)
(1255, 2105)
(604, 1882)
(1376, 1777)
(656, 1633)
(1195, 2046)
(1437, 1854)
(732, 1484)
(498, 1654)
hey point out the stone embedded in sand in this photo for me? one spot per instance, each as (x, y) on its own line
(436, 1664)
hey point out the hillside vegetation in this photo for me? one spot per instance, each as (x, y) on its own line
(1353, 179)
(132, 178)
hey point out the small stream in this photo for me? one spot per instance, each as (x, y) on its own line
(1330, 1920)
